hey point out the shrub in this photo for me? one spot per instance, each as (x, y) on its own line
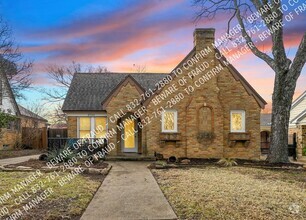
(227, 162)
(57, 151)
(304, 151)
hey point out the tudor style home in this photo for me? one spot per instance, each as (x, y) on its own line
(22, 130)
(202, 109)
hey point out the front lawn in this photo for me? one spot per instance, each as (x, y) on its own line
(44, 197)
(18, 153)
(210, 192)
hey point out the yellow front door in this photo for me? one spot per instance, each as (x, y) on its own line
(129, 137)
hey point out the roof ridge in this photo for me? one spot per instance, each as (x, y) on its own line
(83, 73)
(34, 115)
(297, 100)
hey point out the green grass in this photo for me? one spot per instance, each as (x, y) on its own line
(69, 200)
(234, 193)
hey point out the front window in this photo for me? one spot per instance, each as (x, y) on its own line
(85, 127)
(92, 127)
(237, 121)
(169, 121)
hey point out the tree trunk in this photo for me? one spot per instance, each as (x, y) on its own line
(281, 105)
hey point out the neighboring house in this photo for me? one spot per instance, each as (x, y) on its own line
(265, 132)
(13, 135)
(297, 126)
(196, 115)
(297, 122)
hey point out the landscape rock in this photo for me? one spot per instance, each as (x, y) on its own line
(94, 171)
(43, 157)
(185, 161)
(23, 167)
(172, 165)
(105, 171)
(158, 166)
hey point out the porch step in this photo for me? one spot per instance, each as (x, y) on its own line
(129, 157)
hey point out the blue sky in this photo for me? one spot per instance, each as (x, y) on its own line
(118, 34)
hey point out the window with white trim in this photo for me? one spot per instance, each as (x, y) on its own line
(237, 121)
(169, 121)
(92, 127)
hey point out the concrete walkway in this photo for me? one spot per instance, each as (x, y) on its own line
(15, 160)
(129, 192)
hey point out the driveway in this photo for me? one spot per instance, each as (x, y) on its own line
(129, 192)
(15, 160)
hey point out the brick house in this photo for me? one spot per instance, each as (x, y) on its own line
(12, 136)
(203, 109)
(297, 126)
(297, 123)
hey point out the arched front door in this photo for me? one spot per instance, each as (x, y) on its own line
(129, 136)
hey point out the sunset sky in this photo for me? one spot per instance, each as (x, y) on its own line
(118, 34)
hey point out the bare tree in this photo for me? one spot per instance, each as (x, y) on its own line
(12, 62)
(140, 68)
(57, 116)
(286, 71)
(61, 75)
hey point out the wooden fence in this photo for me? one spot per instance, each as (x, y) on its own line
(57, 133)
(35, 138)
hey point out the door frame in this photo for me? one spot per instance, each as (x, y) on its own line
(129, 150)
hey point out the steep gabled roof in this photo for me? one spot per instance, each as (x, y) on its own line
(251, 91)
(27, 113)
(116, 90)
(88, 90)
(8, 88)
(265, 119)
(298, 118)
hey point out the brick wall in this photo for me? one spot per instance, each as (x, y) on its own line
(72, 127)
(221, 93)
(117, 104)
(12, 138)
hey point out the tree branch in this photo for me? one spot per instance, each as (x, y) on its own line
(299, 60)
(250, 42)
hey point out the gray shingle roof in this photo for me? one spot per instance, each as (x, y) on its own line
(88, 90)
(28, 113)
(265, 119)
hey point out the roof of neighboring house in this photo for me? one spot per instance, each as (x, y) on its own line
(88, 90)
(298, 100)
(266, 119)
(58, 126)
(299, 117)
(10, 91)
(27, 113)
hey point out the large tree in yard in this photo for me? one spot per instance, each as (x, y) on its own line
(13, 65)
(287, 71)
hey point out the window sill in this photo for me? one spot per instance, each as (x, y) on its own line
(169, 137)
(235, 137)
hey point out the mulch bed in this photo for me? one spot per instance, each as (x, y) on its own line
(243, 163)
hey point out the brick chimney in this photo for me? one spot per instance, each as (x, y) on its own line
(203, 37)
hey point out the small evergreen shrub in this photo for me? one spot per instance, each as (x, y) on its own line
(227, 162)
